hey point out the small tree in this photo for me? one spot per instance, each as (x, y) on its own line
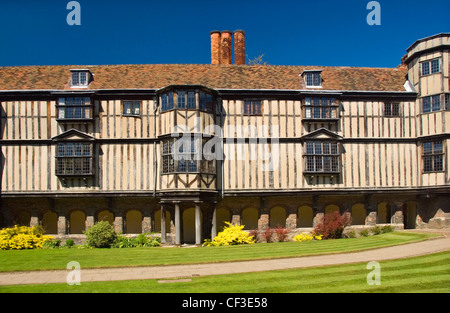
(101, 235)
(332, 225)
(256, 60)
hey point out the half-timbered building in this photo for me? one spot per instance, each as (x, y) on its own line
(180, 148)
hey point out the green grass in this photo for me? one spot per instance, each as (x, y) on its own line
(26, 260)
(430, 273)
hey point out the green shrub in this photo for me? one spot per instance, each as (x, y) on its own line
(364, 232)
(101, 235)
(387, 229)
(143, 240)
(51, 244)
(376, 230)
(69, 243)
(350, 234)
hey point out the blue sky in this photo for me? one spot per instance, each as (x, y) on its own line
(153, 32)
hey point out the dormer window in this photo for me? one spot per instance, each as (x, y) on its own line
(313, 78)
(80, 78)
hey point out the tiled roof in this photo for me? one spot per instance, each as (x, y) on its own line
(155, 76)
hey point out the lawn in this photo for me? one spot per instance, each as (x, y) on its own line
(42, 259)
(430, 273)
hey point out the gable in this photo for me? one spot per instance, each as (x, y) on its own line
(322, 134)
(73, 135)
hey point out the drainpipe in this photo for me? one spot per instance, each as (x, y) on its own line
(222, 146)
(155, 108)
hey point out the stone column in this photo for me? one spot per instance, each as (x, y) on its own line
(397, 213)
(264, 217)
(177, 224)
(213, 221)
(163, 223)
(62, 224)
(291, 220)
(371, 213)
(236, 216)
(89, 221)
(198, 225)
(34, 221)
(118, 222)
(146, 221)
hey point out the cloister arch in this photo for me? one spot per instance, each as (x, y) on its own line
(249, 218)
(331, 208)
(133, 221)
(157, 221)
(277, 217)
(305, 216)
(358, 214)
(23, 218)
(77, 222)
(410, 215)
(50, 222)
(189, 224)
(222, 216)
(106, 215)
(383, 213)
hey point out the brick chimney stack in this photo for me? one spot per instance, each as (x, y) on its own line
(225, 46)
(215, 47)
(221, 47)
(239, 47)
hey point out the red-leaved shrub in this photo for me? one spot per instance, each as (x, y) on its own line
(282, 233)
(332, 225)
(266, 234)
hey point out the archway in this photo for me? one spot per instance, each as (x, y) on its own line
(50, 222)
(305, 216)
(277, 217)
(249, 218)
(77, 222)
(189, 225)
(358, 214)
(383, 213)
(133, 222)
(331, 208)
(157, 221)
(410, 215)
(106, 215)
(23, 218)
(222, 216)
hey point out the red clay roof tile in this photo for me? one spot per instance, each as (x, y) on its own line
(155, 76)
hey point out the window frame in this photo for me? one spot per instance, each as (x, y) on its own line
(391, 109)
(192, 99)
(315, 160)
(80, 159)
(433, 102)
(76, 78)
(313, 79)
(189, 161)
(132, 106)
(433, 156)
(64, 106)
(255, 107)
(429, 65)
(311, 107)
